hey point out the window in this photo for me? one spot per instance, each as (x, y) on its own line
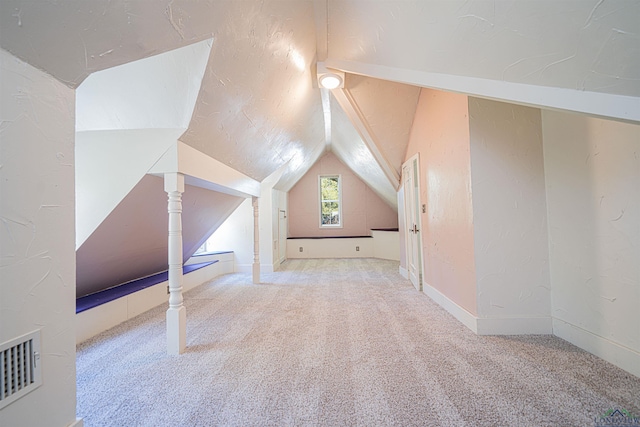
(330, 201)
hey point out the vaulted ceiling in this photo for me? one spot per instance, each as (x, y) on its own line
(257, 107)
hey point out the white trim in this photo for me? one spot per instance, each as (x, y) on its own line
(79, 422)
(409, 163)
(403, 272)
(620, 107)
(269, 268)
(514, 326)
(329, 226)
(353, 247)
(203, 171)
(623, 357)
(243, 268)
(357, 118)
(490, 326)
(463, 316)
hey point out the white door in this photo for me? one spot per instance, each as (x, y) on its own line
(282, 235)
(411, 185)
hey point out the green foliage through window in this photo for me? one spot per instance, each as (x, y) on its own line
(330, 200)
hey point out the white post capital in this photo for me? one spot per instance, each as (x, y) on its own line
(173, 181)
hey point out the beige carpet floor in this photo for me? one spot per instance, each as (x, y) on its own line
(336, 343)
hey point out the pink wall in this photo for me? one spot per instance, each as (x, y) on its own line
(362, 209)
(440, 133)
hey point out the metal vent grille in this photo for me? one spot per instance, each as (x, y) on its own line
(19, 367)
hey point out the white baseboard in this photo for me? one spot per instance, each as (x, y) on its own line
(514, 326)
(269, 268)
(463, 316)
(490, 326)
(77, 423)
(623, 357)
(403, 272)
(243, 268)
(353, 247)
(264, 268)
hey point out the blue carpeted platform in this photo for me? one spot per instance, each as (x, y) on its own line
(90, 301)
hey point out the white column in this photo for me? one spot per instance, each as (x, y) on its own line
(256, 241)
(176, 314)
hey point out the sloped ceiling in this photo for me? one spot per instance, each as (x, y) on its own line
(391, 120)
(108, 164)
(132, 241)
(352, 151)
(155, 92)
(257, 109)
(573, 44)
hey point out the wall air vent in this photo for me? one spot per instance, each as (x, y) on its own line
(20, 370)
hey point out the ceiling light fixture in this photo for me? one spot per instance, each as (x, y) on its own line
(329, 79)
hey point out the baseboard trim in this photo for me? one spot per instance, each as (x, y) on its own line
(623, 357)
(403, 272)
(490, 326)
(244, 268)
(267, 268)
(79, 422)
(514, 326)
(264, 268)
(463, 316)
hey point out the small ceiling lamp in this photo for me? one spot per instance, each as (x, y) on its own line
(328, 78)
(330, 81)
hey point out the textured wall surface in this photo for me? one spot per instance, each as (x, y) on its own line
(509, 210)
(440, 134)
(236, 234)
(592, 173)
(362, 209)
(37, 253)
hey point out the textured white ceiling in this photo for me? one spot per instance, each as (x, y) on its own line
(257, 109)
(590, 45)
(72, 38)
(388, 108)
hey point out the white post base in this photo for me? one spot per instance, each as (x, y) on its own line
(176, 330)
(256, 273)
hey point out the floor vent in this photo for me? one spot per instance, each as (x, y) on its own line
(20, 371)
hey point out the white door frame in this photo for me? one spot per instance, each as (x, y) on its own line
(413, 224)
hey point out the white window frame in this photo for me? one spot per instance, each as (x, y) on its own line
(341, 219)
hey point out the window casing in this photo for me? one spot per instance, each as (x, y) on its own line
(330, 192)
